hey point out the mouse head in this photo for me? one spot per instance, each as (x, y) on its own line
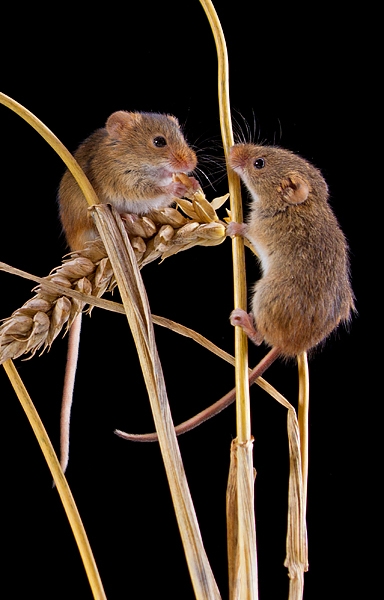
(275, 177)
(151, 139)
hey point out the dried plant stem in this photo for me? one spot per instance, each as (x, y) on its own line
(245, 541)
(53, 141)
(297, 554)
(137, 309)
(60, 481)
(303, 409)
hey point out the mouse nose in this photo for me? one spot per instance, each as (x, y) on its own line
(238, 156)
(185, 163)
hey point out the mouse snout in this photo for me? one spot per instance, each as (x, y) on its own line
(183, 162)
(237, 158)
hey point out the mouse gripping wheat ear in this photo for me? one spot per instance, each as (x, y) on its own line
(34, 326)
(174, 232)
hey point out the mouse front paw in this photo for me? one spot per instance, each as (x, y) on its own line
(193, 184)
(234, 228)
(175, 188)
(183, 185)
(178, 189)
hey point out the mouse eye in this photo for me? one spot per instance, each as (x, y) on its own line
(159, 141)
(259, 163)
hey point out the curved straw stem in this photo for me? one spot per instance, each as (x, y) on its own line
(53, 141)
(59, 479)
(41, 434)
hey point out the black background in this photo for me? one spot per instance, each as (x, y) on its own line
(304, 80)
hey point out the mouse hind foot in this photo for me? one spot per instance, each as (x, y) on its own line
(240, 318)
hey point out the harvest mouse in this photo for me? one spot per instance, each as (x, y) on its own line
(304, 292)
(130, 163)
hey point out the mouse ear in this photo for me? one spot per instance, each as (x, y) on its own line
(174, 119)
(119, 121)
(293, 189)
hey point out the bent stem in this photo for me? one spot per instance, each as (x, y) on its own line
(59, 479)
(53, 141)
(43, 439)
(135, 301)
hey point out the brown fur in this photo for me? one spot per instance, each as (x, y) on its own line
(304, 292)
(126, 169)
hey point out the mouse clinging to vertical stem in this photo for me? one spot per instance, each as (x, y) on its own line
(131, 164)
(304, 292)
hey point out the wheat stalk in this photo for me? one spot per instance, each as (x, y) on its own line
(60, 481)
(242, 553)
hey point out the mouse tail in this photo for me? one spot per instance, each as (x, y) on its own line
(212, 410)
(69, 384)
